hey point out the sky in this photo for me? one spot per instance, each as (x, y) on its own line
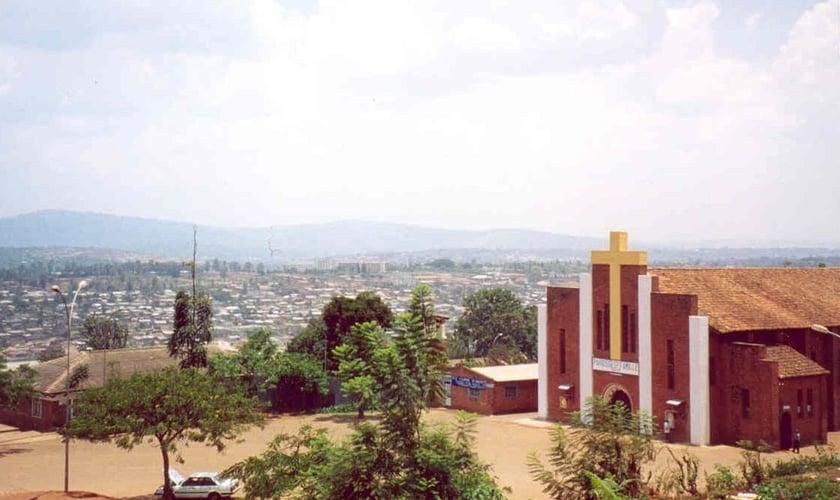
(674, 121)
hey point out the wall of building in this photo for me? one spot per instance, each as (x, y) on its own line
(669, 322)
(52, 416)
(563, 312)
(811, 425)
(493, 400)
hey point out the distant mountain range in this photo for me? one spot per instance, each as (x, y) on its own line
(54, 228)
(111, 237)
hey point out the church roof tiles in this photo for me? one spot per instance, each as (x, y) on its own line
(744, 299)
(792, 363)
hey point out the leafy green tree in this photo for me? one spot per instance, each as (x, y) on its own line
(422, 305)
(165, 408)
(605, 441)
(337, 318)
(261, 367)
(396, 459)
(104, 332)
(15, 385)
(358, 364)
(192, 329)
(495, 315)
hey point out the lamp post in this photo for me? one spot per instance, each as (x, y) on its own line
(68, 310)
(825, 331)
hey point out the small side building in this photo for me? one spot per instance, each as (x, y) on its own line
(45, 411)
(493, 390)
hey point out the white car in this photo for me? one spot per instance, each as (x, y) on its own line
(209, 485)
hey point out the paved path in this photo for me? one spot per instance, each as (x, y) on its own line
(32, 461)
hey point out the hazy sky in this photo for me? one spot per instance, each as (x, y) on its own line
(674, 121)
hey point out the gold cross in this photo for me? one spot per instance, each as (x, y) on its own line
(616, 257)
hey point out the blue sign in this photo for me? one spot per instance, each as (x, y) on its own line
(471, 383)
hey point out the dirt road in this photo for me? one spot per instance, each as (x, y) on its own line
(35, 462)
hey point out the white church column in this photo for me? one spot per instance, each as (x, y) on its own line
(698, 341)
(542, 359)
(645, 346)
(585, 322)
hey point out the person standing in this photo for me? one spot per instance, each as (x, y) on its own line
(666, 429)
(796, 441)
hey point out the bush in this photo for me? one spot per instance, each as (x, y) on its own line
(799, 489)
(721, 482)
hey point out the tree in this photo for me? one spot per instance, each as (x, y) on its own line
(104, 332)
(15, 385)
(165, 408)
(358, 363)
(422, 305)
(606, 442)
(192, 329)
(324, 334)
(495, 315)
(397, 459)
(262, 368)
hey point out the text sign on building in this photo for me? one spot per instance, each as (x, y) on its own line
(471, 383)
(615, 366)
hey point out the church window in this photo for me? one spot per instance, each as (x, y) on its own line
(712, 370)
(607, 338)
(799, 403)
(562, 350)
(809, 401)
(474, 393)
(672, 383)
(745, 403)
(600, 330)
(634, 332)
(625, 330)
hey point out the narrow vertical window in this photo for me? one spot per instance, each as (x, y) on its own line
(712, 370)
(607, 339)
(799, 403)
(625, 330)
(562, 350)
(745, 403)
(634, 332)
(600, 331)
(809, 402)
(672, 365)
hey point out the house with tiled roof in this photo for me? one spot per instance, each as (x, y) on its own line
(492, 390)
(722, 354)
(46, 411)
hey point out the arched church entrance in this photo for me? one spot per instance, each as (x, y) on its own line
(785, 431)
(616, 393)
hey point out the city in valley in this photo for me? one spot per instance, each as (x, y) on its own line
(245, 296)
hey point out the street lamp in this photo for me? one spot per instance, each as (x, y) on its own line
(822, 329)
(68, 310)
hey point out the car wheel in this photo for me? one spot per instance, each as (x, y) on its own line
(214, 496)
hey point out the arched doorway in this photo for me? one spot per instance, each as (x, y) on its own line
(615, 393)
(621, 396)
(785, 431)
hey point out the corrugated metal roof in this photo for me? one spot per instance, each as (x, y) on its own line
(509, 373)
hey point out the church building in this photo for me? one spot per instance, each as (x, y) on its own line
(722, 354)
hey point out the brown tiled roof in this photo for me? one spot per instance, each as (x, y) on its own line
(743, 299)
(792, 363)
(113, 363)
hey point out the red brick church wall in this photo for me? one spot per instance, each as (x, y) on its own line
(669, 322)
(563, 314)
